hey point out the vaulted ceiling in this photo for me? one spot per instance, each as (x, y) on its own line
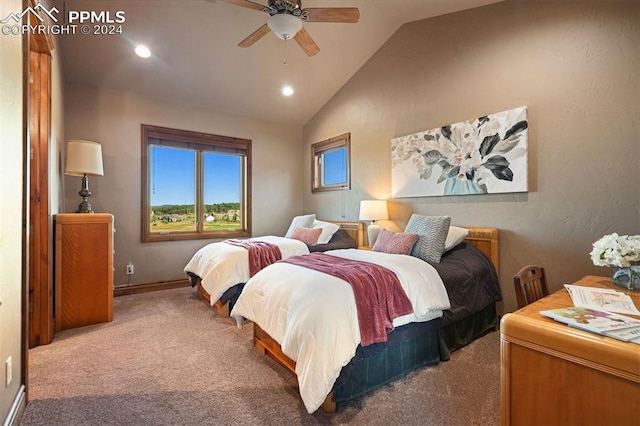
(195, 58)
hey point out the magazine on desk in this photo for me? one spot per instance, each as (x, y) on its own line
(604, 299)
(600, 322)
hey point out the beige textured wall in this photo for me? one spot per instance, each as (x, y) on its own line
(575, 65)
(57, 140)
(12, 150)
(113, 119)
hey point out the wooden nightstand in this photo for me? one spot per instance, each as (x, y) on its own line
(555, 374)
(364, 248)
(83, 269)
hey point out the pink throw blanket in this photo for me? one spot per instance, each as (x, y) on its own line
(261, 254)
(379, 295)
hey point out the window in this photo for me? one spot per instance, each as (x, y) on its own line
(194, 185)
(330, 164)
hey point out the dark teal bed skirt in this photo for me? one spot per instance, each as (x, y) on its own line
(409, 347)
(461, 333)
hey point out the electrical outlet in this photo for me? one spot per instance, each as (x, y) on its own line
(9, 372)
(129, 268)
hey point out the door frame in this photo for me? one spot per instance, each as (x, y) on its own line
(39, 255)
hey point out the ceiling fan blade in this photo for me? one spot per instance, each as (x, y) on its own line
(348, 15)
(246, 3)
(307, 44)
(255, 36)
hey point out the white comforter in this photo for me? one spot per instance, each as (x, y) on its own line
(313, 315)
(221, 266)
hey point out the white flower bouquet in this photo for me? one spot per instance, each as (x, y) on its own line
(616, 250)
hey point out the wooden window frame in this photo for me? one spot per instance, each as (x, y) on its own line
(319, 148)
(203, 142)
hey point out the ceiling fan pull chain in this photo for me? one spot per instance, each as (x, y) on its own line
(285, 63)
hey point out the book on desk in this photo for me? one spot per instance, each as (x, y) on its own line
(600, 322)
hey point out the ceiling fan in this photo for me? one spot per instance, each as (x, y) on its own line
(287, 17)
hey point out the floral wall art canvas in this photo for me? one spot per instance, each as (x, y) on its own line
(486, 155)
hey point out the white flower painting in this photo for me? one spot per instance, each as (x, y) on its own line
(486, 155)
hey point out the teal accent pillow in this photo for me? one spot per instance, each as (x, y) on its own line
(432, 231)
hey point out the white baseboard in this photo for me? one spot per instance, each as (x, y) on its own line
(17, 409)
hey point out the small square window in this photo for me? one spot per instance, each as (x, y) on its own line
(331, 164)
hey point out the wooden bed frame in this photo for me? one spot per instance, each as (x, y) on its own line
(220, 308)
(485, 239)
(354, 229)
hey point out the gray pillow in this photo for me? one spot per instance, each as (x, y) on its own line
(432, 231)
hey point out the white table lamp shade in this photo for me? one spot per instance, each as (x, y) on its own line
(83, 157)
(373, 210)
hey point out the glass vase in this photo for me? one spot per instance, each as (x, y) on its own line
(459, 186)
(627, 277)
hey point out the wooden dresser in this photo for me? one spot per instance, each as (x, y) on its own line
(83, 269)
(553, 374)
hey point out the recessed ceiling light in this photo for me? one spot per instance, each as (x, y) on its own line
(287, 90)
(143, 51)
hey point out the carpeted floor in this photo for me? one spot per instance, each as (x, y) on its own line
(168, 359)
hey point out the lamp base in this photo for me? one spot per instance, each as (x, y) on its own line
(84, 206)
(372, 233)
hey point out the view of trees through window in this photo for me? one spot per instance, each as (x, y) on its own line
(195, 185)
(173, 190)
(182, 217)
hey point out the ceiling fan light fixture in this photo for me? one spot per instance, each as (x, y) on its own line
(284, 26)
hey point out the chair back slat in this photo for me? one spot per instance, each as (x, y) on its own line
(530, 285)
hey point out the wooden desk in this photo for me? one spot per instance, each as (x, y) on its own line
(553, 374)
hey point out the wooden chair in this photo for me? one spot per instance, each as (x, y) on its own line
(530, 284)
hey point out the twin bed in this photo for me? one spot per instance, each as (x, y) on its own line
(219, 270)
(307, 320)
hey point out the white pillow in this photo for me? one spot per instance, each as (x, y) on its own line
(455, 236)
(328, 229)
(304, 221)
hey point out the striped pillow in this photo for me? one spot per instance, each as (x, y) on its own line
(433, 232)
(394, 242)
